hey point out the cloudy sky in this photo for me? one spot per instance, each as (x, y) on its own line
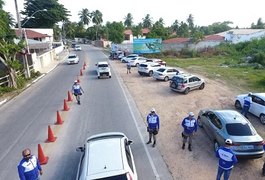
(205, 12)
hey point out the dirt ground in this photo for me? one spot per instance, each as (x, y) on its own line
(172, 107)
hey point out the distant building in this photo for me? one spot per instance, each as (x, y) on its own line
(242, 35)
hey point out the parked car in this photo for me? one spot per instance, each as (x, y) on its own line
(160, 61)
(148, 68)
(116, 55)
(220, 125)
(103, 69)
(78, 48)
(137, 60)
(107, 156)
(165, 73)
(130, 56)
(186, 82)
(257, 107)
(72, 59)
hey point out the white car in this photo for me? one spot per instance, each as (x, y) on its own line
(126, 59)
(72, 59)
(257, 107)
(103, 69)
(148, 68)
(137, 60)
(165, 73)
(78, 48)
(107, 156)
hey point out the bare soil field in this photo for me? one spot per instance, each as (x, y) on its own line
(172, 107)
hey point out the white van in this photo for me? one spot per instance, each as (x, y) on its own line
(103, 69)
(107, 156)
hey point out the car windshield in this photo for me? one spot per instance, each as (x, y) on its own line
(239, 129)
(102, 65)
(71, 56)
(143, 65)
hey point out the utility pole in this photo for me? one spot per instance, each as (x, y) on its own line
(21, 36)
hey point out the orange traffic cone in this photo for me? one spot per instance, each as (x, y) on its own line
(69, 96)
(42, 158)
(84, 64)
(81, 72)
(84, 67)
(65, 107)
(59, 119)
(78, 80)
(51, 137)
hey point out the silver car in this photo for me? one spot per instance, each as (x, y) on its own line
(165, 73)
(220, 125)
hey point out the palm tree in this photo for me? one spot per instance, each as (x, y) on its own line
(147, 22)
(128, 20)
(85, 16)
(97, 19)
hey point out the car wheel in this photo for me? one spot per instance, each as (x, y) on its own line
(199, 121)
(238, 105)
(98, 77)
(187, 90)
(173, 85)
(202, 86)
(151, 73)
(109, 76)
(166, 78)
(140, 73)
(262, 119)
(216, 145)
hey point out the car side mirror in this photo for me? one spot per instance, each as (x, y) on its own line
(80, 149)
(129, 142)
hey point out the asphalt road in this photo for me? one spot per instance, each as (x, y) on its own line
(105, 106)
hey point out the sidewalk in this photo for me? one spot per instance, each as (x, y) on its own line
(44, 71)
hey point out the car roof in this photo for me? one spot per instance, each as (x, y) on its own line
(103, 62)
(231, 116)
(105, 155)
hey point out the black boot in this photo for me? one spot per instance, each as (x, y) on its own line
(149, 141)
(189, 147)
(154, 144)
(78, 102)
(183, 146)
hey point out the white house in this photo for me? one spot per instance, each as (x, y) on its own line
(242, 35)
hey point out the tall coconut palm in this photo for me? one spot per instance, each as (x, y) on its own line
(147, 21)
(128, 20)
(85, 16)
(97, 20)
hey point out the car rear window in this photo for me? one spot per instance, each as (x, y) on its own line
(143, 65)
(177, 79)
(119, 177)
(71, 56)
(161, 69)
(239, 129)
(103, 65)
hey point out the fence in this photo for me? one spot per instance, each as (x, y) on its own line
(5, 79)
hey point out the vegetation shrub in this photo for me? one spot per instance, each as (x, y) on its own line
(21, 82)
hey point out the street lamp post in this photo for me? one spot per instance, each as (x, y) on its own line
(22, 34)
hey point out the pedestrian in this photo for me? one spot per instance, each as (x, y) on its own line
(77, 91)
(247, 103)
(152, 126)
(227, 159)
(29, 167)
(129, 66)
(190, 127)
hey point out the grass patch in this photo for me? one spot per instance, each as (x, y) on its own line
(246, 78)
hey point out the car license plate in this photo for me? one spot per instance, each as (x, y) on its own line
(247, 147)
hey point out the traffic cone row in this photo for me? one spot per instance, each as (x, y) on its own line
(51, 138)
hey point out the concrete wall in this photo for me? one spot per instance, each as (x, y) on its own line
(42, 61)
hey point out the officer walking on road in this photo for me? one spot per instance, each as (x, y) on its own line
(29, 167)
(77, 91)
(152, 126)
(227, 159)
(190, 127)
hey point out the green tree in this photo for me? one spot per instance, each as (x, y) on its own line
(183, 30)
(259, 25)
(115, 30)
(147, 21)
(158, 30)
(8, 49)
(128, 20)
(190, 21)
(55, 13)
(137, 30)
(85, 16)
(97, 20)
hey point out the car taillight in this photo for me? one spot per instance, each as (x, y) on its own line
(261, 143)
(129, 177)
(182, 85)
